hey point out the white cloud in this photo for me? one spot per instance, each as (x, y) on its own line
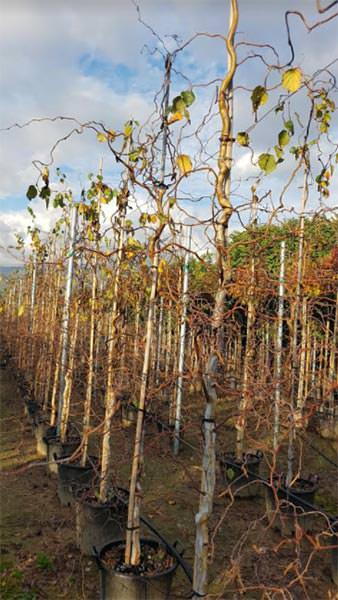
(42, 43)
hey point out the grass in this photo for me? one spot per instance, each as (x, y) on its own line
(12, 586)
(44, 562)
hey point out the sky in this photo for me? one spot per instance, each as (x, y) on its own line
(96, 61)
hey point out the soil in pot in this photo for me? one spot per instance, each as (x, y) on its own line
(72, 477)
(97, 523)
(151, 580)
(234, 474)
(282, 510)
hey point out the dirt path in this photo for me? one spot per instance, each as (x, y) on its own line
(38, 557)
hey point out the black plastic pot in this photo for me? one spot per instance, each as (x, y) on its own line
(96, 523)
(121, 586)
(235, 476)
(283, 512)
(328, 427)
(72, 477)
(57, 449)
(334, 553)
(43, 431)
(32, 410)
(128, 415)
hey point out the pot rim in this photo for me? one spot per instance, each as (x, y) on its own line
(129, 576)
(76, 465)
(278, 483)
(95, 503)
(247, 458)
(55, 439)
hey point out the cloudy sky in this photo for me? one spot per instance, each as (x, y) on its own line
(93, 60)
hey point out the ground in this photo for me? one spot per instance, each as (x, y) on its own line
(39, 558)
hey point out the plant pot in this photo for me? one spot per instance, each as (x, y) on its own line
(117, 585)
(57, 449)
(334, 552)
(283, 512)
(42, 432)
(328, 427)
(235, 476)
(32, 410)
(96, 523)
(128, 415)
(72, 477)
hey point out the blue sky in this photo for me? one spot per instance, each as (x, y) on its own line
(119, 77)
(99, 62)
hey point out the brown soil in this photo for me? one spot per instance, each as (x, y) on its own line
(154, 561)
(39, 559)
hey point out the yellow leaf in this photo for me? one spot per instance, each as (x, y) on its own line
(128, 129)
(184, 163)
(153, 218)
(162, 265)
(21, 310)
(177, 116)
(101, 137)
(292, 79)
(112, 134)
(45, 173)
(82, 208)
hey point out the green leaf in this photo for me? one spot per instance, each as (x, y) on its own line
(230, 473)
(143, 218)
(45, 194)
(259, 97)
(32, 192)
(133, 156)
(179, 105)
(283, 138)
(279, 152)
(58, 201)
(267, 163)
(243, 138)
(289, 126)
(31, 212)
(292, 79)
(172, 201)
(188, 97)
